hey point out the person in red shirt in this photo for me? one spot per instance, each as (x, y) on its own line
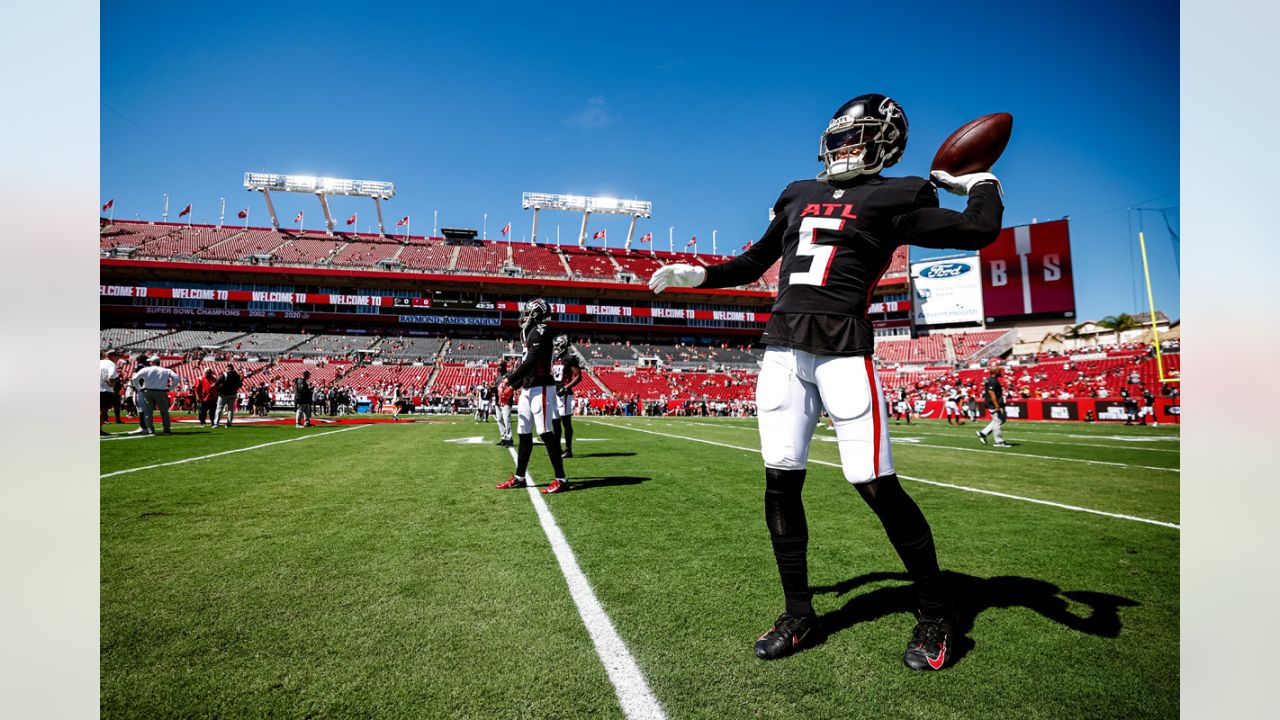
(206, 392)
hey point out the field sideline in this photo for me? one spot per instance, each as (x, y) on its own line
(373, 571)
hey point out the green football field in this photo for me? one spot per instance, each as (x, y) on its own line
(375, 572)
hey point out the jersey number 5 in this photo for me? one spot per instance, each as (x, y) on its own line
(822, 254)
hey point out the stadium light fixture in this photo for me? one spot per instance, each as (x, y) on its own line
(586, 205)
(321, 187)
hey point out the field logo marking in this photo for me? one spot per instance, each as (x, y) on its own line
(228, 452)
(634, 695)
(964, 488)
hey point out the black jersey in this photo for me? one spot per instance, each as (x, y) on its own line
(302, 391)
(836, 239)
(563, 370)
(534, 369)
(992, 387)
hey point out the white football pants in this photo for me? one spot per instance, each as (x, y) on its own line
(537, 408)
(794, 387)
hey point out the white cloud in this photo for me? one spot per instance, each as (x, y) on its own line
(594, 116)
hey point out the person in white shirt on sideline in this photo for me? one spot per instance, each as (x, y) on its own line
(108, 398)
(153, 383)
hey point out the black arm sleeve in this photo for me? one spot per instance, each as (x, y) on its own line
(935, 227)
(530, 359)
(749, 266)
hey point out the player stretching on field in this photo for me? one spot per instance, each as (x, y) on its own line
(835, 236)
(536, 407)
(568, 373)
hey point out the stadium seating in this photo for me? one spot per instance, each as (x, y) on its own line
(380, 379)
(284, 373)
(607, 354)
(640, 265)
(365, 254)
(419, 349)
(482, 259)
(930, 349)
(590, 263)
(471, 350)
(126, 337)
(306, 250)
(238, 247)
(334, 345)
(537, 260)
(185, 241)
(266, 343)
(968, 343)
(461, 380)
(434, 256)
(186, 340)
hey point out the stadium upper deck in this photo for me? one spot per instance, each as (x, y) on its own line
(147, 241)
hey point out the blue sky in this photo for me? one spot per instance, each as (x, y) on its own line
(707, 110)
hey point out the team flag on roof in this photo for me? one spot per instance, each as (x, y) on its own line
(352, 220)
(403, 221)
(186, 210)
(647, 237)
(110, 204)
(599, 235)
(693, 241)
(747, 246)
(506, 228)
(298, 219)
(243, 213)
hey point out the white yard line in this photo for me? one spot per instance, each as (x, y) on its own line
(637, 700)
(919, 480)
(1000, 452)
(229, 452)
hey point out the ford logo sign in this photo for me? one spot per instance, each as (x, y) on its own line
(945, 270)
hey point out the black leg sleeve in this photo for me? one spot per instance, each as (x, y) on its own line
(789, 531)
(557, 426)
(911, 537)
(567, 424)
(553, 451)
(523, 451)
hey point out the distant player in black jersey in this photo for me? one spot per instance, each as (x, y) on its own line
(568, 373)
(835, 236)
(902, 408)
(536, 407)
(993, 394)
(302, 399)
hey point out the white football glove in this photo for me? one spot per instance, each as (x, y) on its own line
(677, 275)
(962, 184)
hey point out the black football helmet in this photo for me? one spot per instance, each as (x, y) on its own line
(560, 345)
(534, 312)
(866, 135)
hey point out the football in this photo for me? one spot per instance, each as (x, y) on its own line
(976, 146)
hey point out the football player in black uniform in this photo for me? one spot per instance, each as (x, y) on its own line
(835, 236)
(568, 373)
(993, 393)
(536, 407)
(302, 397)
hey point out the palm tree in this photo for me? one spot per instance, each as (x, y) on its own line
(1118, 323)
(1072, 332)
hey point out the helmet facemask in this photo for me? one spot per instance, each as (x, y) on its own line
(560, 345)
(856, 146)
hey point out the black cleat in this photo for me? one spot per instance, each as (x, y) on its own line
(789, 634)
(566, 454)
(982, 438)
(930, 643)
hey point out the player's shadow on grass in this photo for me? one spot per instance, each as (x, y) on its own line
(973, 596)
(590, 483)
(604, 454)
